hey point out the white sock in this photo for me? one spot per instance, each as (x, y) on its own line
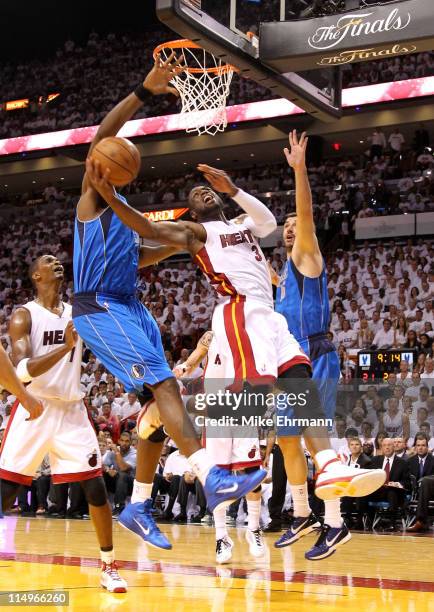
(107, 556)
(201, 464)
(141, 492)
(332, 514)
(325, 456)
(220, 523)
(253, 512)
(300, 500)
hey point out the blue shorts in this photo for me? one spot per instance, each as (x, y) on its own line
(124, 336)
(326, 372)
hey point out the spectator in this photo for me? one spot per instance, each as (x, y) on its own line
(191, 484)
(422, 463)
(109, 422)
(397, 478)
(119, 469)
(384, 338)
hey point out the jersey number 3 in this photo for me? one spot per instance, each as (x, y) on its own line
(258, 256)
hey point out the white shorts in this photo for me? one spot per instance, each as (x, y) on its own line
(253, 342)
(234, 453)
(224, 444)
(63, 430)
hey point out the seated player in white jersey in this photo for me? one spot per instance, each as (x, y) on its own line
(47, 353)
(235, 448)
(253, 341)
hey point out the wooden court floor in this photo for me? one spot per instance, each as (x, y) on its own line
(370, 573)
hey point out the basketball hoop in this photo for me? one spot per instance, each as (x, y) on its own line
(203, 86)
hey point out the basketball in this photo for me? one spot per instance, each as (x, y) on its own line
(121, 156)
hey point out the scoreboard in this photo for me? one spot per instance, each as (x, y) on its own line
(377, 365)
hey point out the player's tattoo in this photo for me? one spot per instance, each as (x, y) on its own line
(206, 339)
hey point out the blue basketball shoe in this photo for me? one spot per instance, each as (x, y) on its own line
(222, 487)
(328, 541)
(138, 519)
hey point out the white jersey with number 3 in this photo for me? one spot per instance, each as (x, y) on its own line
(62, 381)
(234, 262)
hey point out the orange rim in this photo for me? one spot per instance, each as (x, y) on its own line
(185, 43)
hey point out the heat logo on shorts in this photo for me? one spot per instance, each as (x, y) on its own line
(93, 459)
(138, 370)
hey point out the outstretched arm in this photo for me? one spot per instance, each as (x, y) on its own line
(152, 255)
(306, 242)
(10, 381)
(189, 236)
(156, 83)
(193, 360)
(259, 219)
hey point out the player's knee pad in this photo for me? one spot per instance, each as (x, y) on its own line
(250, 470)
(158, 436)
(148, 421)
(145, 395)
(297, 381)
(94, 491)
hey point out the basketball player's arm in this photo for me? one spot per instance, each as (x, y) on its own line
(193, 360)
(19, 331)
(149, 256)
(182, 234)
(10, 381)
(306, 251)
(259, 219)
(155, 83)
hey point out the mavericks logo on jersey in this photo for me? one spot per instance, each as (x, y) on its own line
(138, 370)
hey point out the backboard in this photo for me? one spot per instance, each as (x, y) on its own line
(223, 26)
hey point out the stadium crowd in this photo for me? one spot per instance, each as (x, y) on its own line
(89, 78)
(381, 296)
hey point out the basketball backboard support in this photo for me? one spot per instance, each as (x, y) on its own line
(222, 28)
(375, 31)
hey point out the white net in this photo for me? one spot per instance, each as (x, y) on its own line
(203, 88)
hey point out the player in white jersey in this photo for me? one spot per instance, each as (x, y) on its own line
(47, 353)
(233, 448)
(253, 341)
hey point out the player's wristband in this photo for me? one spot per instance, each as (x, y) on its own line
(22, 371)
(142, 93)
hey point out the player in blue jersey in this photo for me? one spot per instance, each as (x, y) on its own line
(123, 334)
(302, 298)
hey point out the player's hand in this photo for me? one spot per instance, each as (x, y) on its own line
(163, 71)
(266, 462)
(180, 370)
(296, 154)
(33, 406)
(218, 179)
(273, 274)
(71, 335)
(100, 180)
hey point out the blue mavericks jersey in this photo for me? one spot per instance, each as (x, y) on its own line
(304, 302)
(106, 255)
